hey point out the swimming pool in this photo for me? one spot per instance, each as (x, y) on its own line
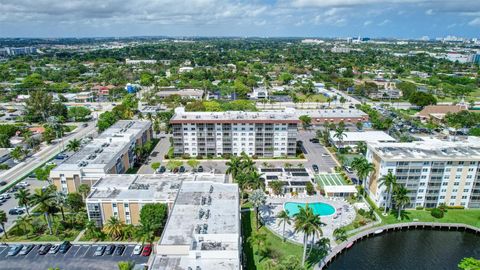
(319, 208)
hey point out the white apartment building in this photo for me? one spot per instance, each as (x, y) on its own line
(265, 134)
(434, 171)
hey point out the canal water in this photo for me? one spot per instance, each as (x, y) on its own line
(410, 250)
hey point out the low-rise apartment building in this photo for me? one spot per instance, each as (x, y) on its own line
(294, 180)
(335, 116)
(203, 229)
(112, 152)
(434, 171)
(123, 195)
(265, 134)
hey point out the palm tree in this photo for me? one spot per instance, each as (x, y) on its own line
(340, 134)
(389, 181)
(126, 265)
(363, 168)
(3, 220)
(84, 189)
(362, 148)
(24, 199)
(309, 224)
(73, 145)
(257, 198)
(340, 234)
(24, 222)
(284, 218)
(401, 198)
(260, 241)
(44, 198)
(60, 201)
(113, 228)
(254, 180)
(234, 166)
(145, 234)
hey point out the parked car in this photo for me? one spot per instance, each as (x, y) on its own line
(24, 183)
(109, 249)
(3, 183)
(175, 170)
(348, 169)
(162, 169)
(325, 155)
(315, 140)
(200, 169)
(64, 247)
(147, 250)
(44, 249)
(99, 251)
(137, 249)
(85, 125)
(182, 169)
(61, 156)
(51, 163)
(54, 249)
(26, 249)
(119, 250)
(16, 211)
(14, 250)
(315, 168)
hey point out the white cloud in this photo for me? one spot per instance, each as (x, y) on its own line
(384, 22)
(429, 12)
(475, 22)
(367, 23)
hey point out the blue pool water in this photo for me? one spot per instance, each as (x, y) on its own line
(322, 209)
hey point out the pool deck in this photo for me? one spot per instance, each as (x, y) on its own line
(344, 215)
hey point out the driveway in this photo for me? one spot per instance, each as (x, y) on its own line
(160, 150)
(316, 153)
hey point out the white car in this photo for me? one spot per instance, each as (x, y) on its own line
(138, 249)
(25, 184)
(54, 249)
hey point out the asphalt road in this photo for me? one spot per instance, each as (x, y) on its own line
(160, 150)
(316, 153)
(77, 257)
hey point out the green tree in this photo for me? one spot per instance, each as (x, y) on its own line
(309, 224)
(74, 201)
(193, 163)
(106, 120)
(390, 182)
(306, 121)
(257, 198)
(84, 190)
(126, 265)
(422, 99)
(154, 216)
(44, 199)
(340, 234)
(73, 145)
(17, 153)
(24, 199)
(469, 264)
(24, 222)
(3, 220)
(259, 240)
(155, 165)
(401, 198)
(283, 218)
(234, 166)
(276, 186)
(113, 228)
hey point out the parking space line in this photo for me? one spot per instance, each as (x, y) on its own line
(78, 250)
(84, 254)
(3, 250)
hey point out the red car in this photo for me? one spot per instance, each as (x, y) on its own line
(147, 250)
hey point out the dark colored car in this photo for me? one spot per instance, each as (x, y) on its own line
(3, 183)
(175, 170)
(119, 250)
(147, 250)
(15, 211)
(64, 247)
(315, 168)
(182, 169)
(44, 249)
(110, 249)
(200, 169)
(14, 250)
(315, 140)
(162, 169)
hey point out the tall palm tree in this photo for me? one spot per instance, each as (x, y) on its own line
(254, 180)
(145, 234)
(363, 168)
(73, 145)
(401, 199)
(60, 200)
(309, 224)
(24, 199)
(3, 220)
(284, 218)
(84, 189)
(257, 198)
(340, 234)
(234, 166)
(340, 134)
(113, 228)
(24, 222)
(44, 199)
(389, 181)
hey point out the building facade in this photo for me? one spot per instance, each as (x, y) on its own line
(433, 171)
(265, 134)
(112, 152)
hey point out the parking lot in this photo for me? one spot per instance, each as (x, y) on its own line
(77, 257)
(316, 153)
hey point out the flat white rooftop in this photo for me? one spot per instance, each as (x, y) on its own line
(429, 149)
(332, 113)
(181, 116)
(366, 136)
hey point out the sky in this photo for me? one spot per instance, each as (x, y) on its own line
(241, 18)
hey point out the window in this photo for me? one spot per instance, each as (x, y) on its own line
(453, 197)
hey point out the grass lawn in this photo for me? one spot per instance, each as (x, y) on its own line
(466, 216)
(311, 98)
(279, 249)
(67, 235)
(70, 128)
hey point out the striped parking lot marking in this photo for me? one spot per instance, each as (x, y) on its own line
(77, 251)
(85, 254)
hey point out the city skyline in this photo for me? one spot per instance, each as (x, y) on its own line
(264, 18)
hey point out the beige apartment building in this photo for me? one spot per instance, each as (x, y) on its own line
(434, 171)
(112, 152)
